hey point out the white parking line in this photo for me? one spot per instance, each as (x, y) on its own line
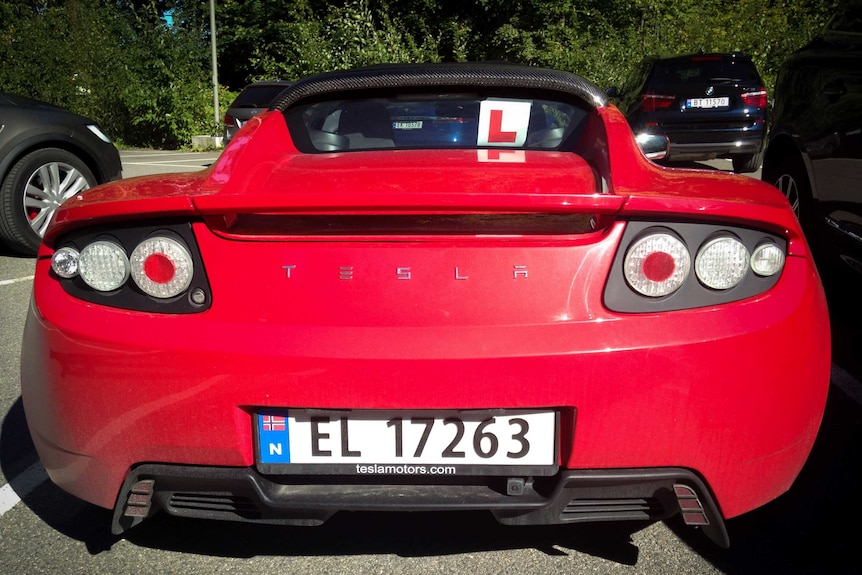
(25, 483)
(163, 154)
(16, 280)
(192, 164)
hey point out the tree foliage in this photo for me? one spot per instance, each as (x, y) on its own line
(148, 83)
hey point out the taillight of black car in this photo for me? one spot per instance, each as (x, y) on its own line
(154, 268)
(650, 102)
(652, 271)
(756, 100)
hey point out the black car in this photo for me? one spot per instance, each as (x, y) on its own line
(814, 154)
(708, 105)
(254, 99)
(47, 155)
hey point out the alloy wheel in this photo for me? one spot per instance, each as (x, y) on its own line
(786, 184)
(48, 187)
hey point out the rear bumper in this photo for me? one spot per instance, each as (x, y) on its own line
(680, 151)
(707, 143)
(242, 494)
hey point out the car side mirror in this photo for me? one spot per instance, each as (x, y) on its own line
(654, 146)
(612, 92)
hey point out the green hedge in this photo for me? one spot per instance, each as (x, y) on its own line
(148, 84)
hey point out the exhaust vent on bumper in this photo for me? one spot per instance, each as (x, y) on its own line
(647, 509)
(213, 503)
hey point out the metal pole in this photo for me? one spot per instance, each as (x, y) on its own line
(215, 67)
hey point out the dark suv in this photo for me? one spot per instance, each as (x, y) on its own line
(254, 99)
(708, 105)
(814, 153)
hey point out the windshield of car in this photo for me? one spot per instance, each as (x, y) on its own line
(439, 121)
(704, 69)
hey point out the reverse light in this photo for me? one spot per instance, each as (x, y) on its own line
(162, 267)
(64, 262)
(657, 265)
(103, 266)
(722, 263)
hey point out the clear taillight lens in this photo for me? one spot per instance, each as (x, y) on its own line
(722, 263)
(162, 267)
(657, 265)
(767, 259)
(64, 262)
(103, 266)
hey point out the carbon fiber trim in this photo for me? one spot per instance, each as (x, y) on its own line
(470, 74)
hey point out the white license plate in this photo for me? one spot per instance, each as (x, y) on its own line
(407, 443)
(722, 102)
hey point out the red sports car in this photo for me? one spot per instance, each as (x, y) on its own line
(428, 287)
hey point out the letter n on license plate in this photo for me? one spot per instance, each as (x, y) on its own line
(487, 442)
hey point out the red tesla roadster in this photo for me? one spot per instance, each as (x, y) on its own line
(428, 287)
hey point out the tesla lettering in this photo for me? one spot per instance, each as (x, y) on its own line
(405, 273)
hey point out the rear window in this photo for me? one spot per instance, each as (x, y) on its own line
(440, 121)
(705, 69)
(847, 19)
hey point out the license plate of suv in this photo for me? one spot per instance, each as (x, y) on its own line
(722, 102)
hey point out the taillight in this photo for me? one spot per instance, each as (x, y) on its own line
(657, 264)
(767, 259)
(721, 263)
(755, 99)
(146, 268)
(650, 102)
(161, 267)
(229, 121)
(103, 265)
(653, 269)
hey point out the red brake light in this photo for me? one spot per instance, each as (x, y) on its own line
(652, 102)
(162, 267)
(159, 268)
(755, 99)
(657, 264)
(229, 121)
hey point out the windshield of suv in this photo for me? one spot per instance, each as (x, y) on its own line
(847, 19)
